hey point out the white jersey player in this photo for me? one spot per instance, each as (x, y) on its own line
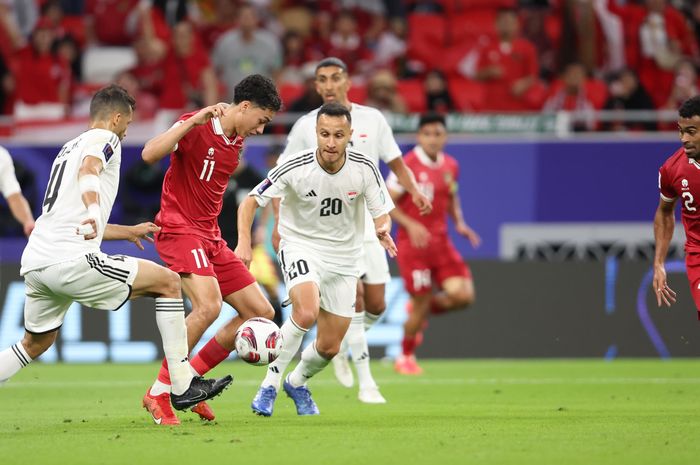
(10, 189)
(321, 220)
(62, 262)
(373, 137)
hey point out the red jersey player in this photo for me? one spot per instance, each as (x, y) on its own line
(205, 148)
(679, 178)
(428, 256)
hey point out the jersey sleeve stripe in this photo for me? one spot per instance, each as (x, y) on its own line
(287, 168)
(667, 199)
(359, 159)
(279, 168)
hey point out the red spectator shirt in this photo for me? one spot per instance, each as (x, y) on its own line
(194, 185)
(679, 178)
(437, 180)
(517, 60)
(40, 77)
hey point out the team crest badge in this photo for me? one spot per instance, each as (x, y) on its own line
(352, 195)
(210, 152)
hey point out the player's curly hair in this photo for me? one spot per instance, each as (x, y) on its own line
(259, 90)
(111, 99)
(690, 107)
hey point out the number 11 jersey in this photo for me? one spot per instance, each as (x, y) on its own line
(194, 185)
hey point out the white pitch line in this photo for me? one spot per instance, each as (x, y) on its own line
(385, 382)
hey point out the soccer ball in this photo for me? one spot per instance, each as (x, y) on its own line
(258, 341)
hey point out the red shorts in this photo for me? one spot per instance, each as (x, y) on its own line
(692, 266)
(421, 268)
(184, 253)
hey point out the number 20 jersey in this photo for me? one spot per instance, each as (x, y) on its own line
(54, 239)
(679, 178)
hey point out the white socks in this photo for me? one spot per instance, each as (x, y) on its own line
(292, 335)
(311, 363)
(371, 319)
(357, 340)
(12, 359)
(170, 317)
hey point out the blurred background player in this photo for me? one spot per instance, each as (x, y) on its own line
(205, 148)
(62, 262)
(679, 177)
(371, 136)
(324, 191)
(428, 258)
(13, 195)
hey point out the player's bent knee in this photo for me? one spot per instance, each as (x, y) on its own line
(464, 299)
(267, 312)
(327, 351)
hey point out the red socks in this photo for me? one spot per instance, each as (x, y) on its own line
(209, 356)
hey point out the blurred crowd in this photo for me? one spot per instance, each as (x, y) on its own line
(403, 55)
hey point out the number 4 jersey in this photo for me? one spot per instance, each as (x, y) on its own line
(325, 212)
(679, 178)
(55, 239)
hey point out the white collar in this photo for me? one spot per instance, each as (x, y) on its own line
(426, 160)
(219, 131)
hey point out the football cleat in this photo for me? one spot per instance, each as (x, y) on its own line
(204, 411)
(406, 365)
(200, 389)
(160, 409)
(342, 370)
(302, 398)
(264, 401)
(371, 395)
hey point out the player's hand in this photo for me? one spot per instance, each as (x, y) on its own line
(418, 235)
(384, 236)
(87, 229)
(28, 227)
(664, 294)
(142, 231)
(422, 203)
(207, 113)
(470, 234)
(245, 253)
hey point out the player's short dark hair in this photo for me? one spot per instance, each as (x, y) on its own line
(111, 99)
(690, 107)
(334, 109)
(332, 61)
(432, 117)
(260, 91)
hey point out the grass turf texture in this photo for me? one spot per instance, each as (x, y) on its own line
(458, 412)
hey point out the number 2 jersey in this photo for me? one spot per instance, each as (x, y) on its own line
(679, 178)
(325, 212)
(55, 239)
(194, 185)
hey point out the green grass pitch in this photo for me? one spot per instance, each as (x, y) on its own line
(459, 412)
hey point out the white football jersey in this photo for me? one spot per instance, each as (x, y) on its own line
(54, 239)
(324, 212)
(8, 181)
(371, 135)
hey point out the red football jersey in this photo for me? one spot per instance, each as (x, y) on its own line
(194, 185)
(437, 180)
(679, 177)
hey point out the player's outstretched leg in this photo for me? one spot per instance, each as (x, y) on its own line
(21, 354)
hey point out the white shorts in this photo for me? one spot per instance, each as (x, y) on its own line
(95, 280)
(374, 265)
(337, 290)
